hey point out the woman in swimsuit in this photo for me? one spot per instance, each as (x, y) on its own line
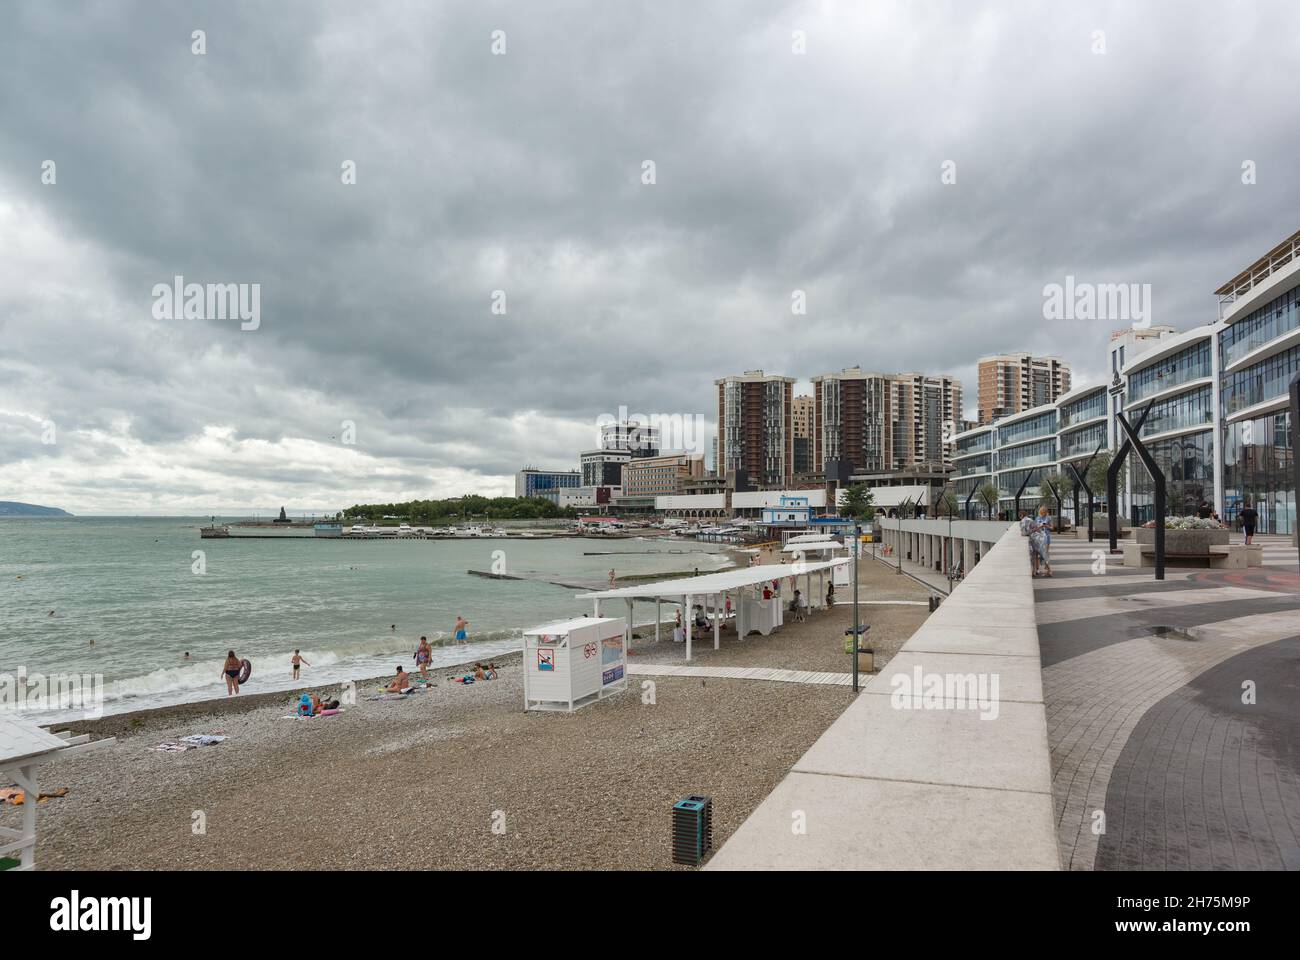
(230, 670)
(422, 657)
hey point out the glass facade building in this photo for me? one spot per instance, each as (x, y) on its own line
(1193, 363)
(1219, 425)
(1188, 463)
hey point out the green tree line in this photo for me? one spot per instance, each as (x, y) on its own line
(434, 512)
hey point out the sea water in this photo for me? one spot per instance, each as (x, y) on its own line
(355, 608)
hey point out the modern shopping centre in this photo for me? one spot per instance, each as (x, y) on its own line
(1219, 423)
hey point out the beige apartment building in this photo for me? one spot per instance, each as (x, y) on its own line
(756, 429)
(881, 422)
(1013, 382)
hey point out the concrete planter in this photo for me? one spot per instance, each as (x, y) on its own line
(1100, 531)
(1185, 541)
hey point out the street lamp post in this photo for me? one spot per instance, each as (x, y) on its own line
(857, 547)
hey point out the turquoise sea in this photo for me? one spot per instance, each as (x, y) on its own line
(129, 584)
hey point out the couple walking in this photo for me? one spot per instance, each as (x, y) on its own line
(1039, 531)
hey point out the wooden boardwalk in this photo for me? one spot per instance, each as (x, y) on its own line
(742, 673)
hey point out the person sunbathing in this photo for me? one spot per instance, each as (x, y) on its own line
(400, 682)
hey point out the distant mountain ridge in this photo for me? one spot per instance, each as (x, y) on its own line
(12, 508)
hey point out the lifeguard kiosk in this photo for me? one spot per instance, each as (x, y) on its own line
(572, 663)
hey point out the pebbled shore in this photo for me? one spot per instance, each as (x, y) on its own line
(420, 783)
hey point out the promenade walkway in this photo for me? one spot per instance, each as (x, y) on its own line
(1172, 711)
(743, 673)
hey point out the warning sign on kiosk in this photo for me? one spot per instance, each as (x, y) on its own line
(545, 659)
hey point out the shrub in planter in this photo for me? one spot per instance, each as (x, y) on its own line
(1185, 534)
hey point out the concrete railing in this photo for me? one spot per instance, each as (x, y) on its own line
(942, 762)
(927, 542)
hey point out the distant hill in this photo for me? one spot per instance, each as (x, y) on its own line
(11, 508)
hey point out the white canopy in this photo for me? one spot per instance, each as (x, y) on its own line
(814, 546)
(810, 538)
(709, 583)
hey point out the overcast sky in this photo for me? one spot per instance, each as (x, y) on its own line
(775, 171)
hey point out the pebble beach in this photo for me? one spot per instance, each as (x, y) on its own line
(460, 777)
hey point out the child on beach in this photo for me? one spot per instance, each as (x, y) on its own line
(297, 660)
(230, 670)
(461, 626)
(422, 657)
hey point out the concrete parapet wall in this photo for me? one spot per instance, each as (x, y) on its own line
(935, 775)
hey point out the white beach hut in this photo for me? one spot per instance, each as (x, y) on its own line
(571, 663)
(24, 746)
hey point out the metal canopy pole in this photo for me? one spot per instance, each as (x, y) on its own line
(1081, 480)
(687, 615)
(1023, 483)
(1112, 481)
(1158, 479)
(973, 488)
(1060, 508)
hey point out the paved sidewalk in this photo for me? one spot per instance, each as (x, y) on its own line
(1157, 763)
(744, 673)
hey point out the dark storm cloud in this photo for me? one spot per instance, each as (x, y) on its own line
(521, 173)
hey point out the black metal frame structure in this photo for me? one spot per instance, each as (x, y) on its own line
(1158, 481)
(1080, 480)
(1112, 482)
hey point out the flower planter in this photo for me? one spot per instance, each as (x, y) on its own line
(1185, 541)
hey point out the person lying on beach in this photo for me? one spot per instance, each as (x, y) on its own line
(400, 682)
(478, 674)
(491, 671)
(317, 704)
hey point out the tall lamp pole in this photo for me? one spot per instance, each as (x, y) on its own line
(857, 547)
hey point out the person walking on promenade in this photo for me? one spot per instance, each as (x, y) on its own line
(1026, 531)
(1249, 519)
(1041, 539)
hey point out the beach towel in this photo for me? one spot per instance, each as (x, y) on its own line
(170, 747)
(202, 739)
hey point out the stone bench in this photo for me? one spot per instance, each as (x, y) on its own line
(1235, 556)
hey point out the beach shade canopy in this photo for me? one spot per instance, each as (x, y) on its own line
(814, 546)
(685, 589)
(23, 747)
